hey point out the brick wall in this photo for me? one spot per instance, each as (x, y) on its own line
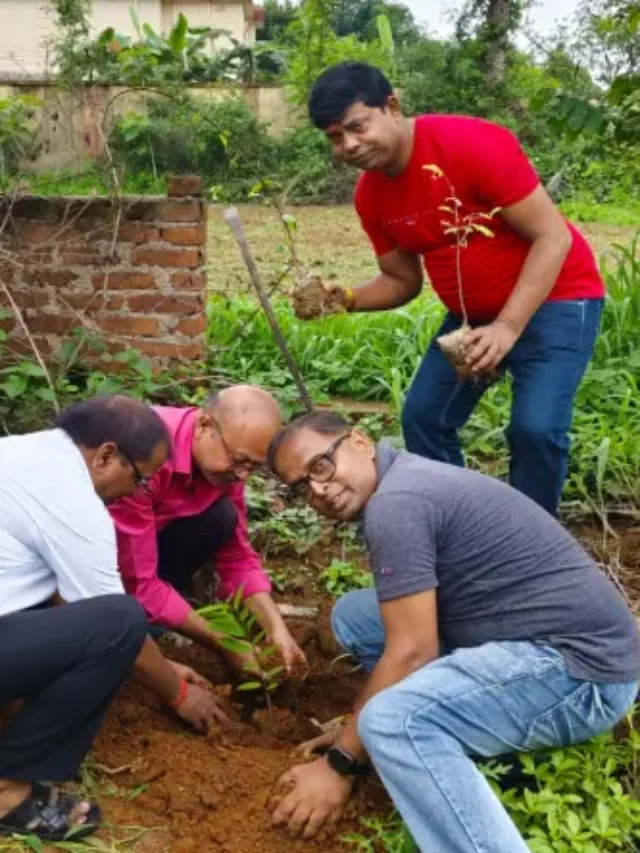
(131, 271)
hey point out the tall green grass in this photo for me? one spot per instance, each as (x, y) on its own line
(374, 357)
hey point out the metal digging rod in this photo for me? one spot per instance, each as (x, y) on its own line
(232, 218)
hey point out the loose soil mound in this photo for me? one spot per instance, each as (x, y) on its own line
(210, 794)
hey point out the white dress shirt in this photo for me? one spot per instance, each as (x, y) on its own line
(55, 532)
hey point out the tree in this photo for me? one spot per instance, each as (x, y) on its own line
(494, 23)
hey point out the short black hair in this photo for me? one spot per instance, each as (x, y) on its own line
(124, 421)
(325, 423)
(343, 85)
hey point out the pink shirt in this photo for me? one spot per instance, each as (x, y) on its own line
(174, 492)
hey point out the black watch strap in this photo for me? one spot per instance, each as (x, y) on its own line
(344, 763)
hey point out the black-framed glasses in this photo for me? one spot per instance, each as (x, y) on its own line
(138, 477)
(321, 469)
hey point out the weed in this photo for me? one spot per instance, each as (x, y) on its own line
(382, 834)
(583, 797)
(341, 577)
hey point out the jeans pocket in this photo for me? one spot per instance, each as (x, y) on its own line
(588, 710)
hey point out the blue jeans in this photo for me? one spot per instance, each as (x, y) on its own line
(484, 701)
(547, 364)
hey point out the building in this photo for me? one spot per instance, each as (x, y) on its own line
(26, 26)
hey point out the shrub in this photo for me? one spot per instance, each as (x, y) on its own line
(220, 139)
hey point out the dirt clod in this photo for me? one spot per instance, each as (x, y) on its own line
(452, 346)
(313, 297)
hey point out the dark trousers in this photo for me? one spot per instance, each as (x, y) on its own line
(67, 663)
(187, 543)
(546, 364)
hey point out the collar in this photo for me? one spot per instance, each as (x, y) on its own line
(385, 457)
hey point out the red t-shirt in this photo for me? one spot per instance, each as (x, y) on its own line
(482, 166)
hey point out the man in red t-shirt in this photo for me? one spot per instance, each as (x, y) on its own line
(460, 194)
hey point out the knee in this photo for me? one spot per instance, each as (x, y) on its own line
(417, 410)
(534, 432)
(120, 619)
(378, 719)
(345, 618)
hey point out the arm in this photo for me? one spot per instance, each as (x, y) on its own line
(319, 793)
(399, 281)
(239, 567)
(138, 560)
(537, 219)
(411, 627)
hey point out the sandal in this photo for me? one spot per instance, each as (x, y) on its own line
(45, 814)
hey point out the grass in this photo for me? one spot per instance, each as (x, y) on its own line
(374, 356)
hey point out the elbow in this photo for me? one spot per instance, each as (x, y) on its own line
(559, 240)
(411, 658)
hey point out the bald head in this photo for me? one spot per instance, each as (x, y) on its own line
(234, 430)
(239, 405)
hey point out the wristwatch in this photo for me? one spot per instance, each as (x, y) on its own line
(344, 763)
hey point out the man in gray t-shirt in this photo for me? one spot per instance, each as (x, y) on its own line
(489, 630)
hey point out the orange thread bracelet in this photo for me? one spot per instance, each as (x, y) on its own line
(182, 694)
(351, 299)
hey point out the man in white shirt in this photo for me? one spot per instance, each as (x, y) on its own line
(57, 546)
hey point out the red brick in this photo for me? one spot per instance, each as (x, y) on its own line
(189, 281)
(86, 257)
(184, 185)
(53, 324)
(38, 255)
(41, 232)
(94, 301)
(183, 210)
(191, 326)
(124, 281)
(7, 323)
(186, 235)
(52, 278)
(134, 233)
(30, 298)
(189, 258)
(158, 303)
(148, 327)
(21, 346)
(161, 349)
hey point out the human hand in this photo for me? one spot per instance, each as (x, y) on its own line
(315, 795)
(314, 297)
(319, 745)
(200, 709)
(292, 654)
(486, 346)
(188, 674)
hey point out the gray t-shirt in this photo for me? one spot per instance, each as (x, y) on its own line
(504, 569)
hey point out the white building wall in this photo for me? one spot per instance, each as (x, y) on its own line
(26, 26)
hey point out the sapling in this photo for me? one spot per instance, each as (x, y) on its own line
(461, 226)
(239, 633)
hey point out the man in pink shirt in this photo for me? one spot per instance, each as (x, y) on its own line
(194, 509)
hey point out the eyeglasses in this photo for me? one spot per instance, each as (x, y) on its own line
(138, 477)
(321, 469)
(235, 464)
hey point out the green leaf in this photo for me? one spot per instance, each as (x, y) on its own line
(33, 843)
(15, 386)
(178, 35)
(573, 823)
(250, 685)
(603, 817)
